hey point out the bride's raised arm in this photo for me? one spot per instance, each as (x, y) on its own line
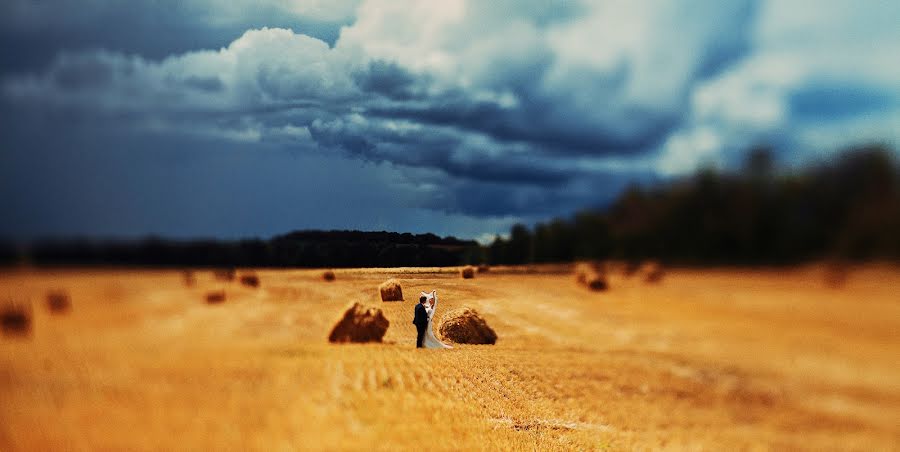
(433, 307)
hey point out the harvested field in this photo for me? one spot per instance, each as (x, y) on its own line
(708, 360)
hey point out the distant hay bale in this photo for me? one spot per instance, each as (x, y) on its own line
(467, 272)
(360, 324)
(581, 271)
(592, 275)
(189, 278)
(596, 282)
(16, 318)
(484, 268)
(250, 280)
(653, 272)
(465, 326)
(328, 275)
(215, 297)
(59, 302)
(224, 274)
(391, 290)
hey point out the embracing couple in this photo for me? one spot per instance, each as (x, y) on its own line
(422, 320)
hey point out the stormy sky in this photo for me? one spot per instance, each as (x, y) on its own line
(239, 118)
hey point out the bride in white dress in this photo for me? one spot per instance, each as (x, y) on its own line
(430, 307)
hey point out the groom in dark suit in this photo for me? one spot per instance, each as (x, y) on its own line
(420, 321)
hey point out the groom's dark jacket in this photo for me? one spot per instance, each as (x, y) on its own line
(421, 318)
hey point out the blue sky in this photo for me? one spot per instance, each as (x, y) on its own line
(237, 118)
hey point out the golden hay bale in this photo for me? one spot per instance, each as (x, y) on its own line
(391, 290)
(59, 302)
(16, 318)
(360, 324)
(467, 272)
(583, 269)
(250, 280)
(465, 326)
(591, 274)
(653, 272)
(596, 281)
(328, 275)
(484, 268)
(215, 297)
(224, 274)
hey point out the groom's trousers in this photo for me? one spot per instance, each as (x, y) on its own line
(420, 337)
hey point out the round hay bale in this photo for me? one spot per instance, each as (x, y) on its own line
(391, 290)
(58, 302)
(591, 274)
(596, 282)
(484, 268)
(16, 318)
(467, 272)
(215, 297)
(250, 280)
(360, 324)
(328, 275)
(583, 269)
(653, 272)
(465, 326)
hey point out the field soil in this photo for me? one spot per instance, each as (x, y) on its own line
(767, 359)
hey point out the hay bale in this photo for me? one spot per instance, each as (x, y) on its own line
(592, 275)
(465, 326)
(250, 280)
(59, 302)
(16, 318)
(328, 275)
(467, 272)
(584, 269)
(360, 324)
(391, 290)
(653, 272)
(596, 282)
(215, 297)
(484, 268)
(225, 274)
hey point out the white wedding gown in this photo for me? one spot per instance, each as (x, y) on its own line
(430, 340)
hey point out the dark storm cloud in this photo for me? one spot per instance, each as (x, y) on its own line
(387, 79)
(556, 134)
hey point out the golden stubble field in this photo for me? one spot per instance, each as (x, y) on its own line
(705, 360)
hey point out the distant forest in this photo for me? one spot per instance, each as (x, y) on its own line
(847, 208)
(311, 249)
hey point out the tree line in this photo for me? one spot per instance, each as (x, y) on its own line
(846, 208)
(310, 249)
